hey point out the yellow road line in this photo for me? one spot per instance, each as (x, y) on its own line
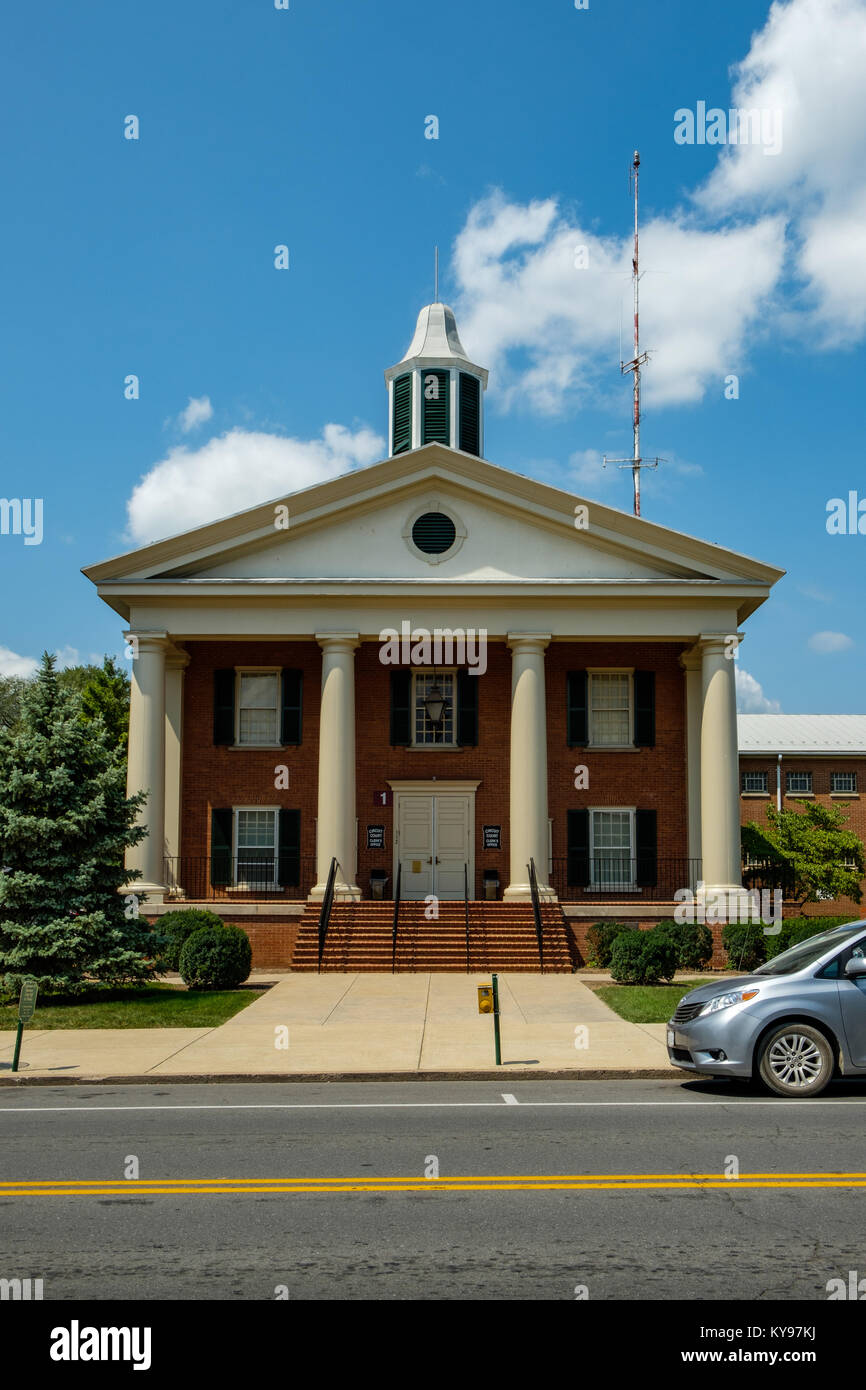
(512, 1183)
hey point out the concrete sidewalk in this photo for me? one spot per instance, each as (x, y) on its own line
(365, 1025)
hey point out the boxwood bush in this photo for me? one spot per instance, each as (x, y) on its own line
(216, 958)
(693, 942)
(176, 926)
(643, 958)
(601, 936)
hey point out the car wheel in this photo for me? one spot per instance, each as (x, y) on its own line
(796, 1060)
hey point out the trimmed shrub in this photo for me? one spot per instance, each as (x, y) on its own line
(745, 944)
(175, 927)
(216, 958)
(601, 937)
(693, 942)
(643, 958)
(797, 929)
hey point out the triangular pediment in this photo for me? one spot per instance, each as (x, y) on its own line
(510, 529)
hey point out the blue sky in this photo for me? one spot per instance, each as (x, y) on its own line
(306, 127)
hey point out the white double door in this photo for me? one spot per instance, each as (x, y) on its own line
(433, 843)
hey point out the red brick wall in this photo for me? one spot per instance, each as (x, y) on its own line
(754, 807)
(650, 778)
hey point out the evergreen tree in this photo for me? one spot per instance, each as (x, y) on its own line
(65, 821)
(106, 696)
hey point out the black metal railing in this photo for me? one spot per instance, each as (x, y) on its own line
(536, 911)
(579, 878)
(770, 874)
(325, 912)
(466, 911)
(395, 918)
(236, 878)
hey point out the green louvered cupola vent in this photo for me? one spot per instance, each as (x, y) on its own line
(434, 533)
(402, 413)
(470, 414)
(435, 394)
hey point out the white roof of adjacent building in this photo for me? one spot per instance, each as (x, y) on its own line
(802, 733)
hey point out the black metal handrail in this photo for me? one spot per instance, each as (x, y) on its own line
(239, 877)
(580, 878)
(395, 918)
(325, 913)
(466, 911)
(536, 910)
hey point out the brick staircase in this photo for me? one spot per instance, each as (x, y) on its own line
(501, 937)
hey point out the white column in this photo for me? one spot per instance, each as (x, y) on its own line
(146, 765)
(691, 662)
(720, 801)
(528, 769)
(336, 822)
(176, 663)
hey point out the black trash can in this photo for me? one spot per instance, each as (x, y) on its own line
(378, 880)
(491, 884)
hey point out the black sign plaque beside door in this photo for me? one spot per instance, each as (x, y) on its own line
(375, 837)
(492, 836)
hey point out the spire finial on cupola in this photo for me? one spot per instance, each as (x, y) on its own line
(435, 391)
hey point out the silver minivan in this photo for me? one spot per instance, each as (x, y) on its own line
(794, 1023)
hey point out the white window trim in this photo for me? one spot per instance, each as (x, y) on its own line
(756, 791)
(790, 792)
(610, 671)
(835, 791)
(435, 504)
(435, 747)
(632, 887)
(257, 671)
(255, 887)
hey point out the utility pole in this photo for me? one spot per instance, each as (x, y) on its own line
(635, 463)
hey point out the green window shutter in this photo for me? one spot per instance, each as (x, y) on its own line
(577, 714)
(402, 414)
(470, 414)
(646, 852)
(467, 709)
(293, 701)
(644, 709)
(224, 706)
(289, 853)
(436, 411)
(578, 848)
(401, 708)
(221, 847)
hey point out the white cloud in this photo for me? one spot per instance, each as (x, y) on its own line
(712, 272)
(11, 664)
(808, 63)
(197, 412)
(237, 470)
(551, 330)
(750, 695)
(830, 642)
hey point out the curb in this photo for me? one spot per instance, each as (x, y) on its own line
(226, 1078)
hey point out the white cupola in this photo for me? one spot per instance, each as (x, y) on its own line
(435, 392)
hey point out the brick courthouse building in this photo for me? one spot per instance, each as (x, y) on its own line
(283, 716)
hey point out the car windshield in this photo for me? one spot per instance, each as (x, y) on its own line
(806, 952)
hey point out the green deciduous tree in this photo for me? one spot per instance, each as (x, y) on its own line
(65, 821)
(814, 844)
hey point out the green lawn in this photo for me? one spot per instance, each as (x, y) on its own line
(646, 1003)
(144, 1006)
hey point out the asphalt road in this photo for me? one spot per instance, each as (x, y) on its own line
(595, 1184)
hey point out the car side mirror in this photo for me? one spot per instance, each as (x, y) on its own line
(856, 966)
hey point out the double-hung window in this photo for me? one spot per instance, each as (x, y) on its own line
(611, 850)
(609, 709)
(256, 841)
(258, 708)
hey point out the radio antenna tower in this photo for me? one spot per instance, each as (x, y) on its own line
(635, 463)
